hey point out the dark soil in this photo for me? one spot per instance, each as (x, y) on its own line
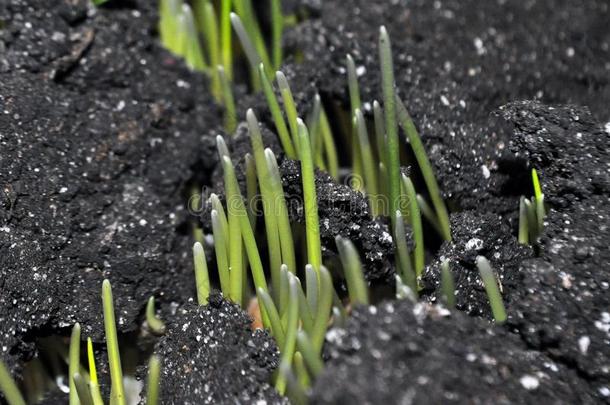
(456, 62)
(211, 356)
(102, 133)
(397, 353)
(101, 130)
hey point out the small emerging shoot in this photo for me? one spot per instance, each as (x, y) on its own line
(291, 332)
(8, 387)
(74, 362)
(94, 386)
(114, 357)
(289, 107)
(228, 100)
(426, 168)
(155, 324)
(354, 275)
(202, 278)
(491, 287)
(416, 226)
(402, 253)
(312, 222)
(447, 285)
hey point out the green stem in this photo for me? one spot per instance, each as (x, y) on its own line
(112, 344)
(202, 279)
(74, 363)
(277, 26)
(325, 300)
(352, 268)
(389, 101)
(426, 168)
(416, 226)
(291, 333)
(154, 376)
(312, 223)
(155, 324)
(491, 287)
(447, 285)
(225, 38)
(9, 387)
(368, 162)
(276, 113)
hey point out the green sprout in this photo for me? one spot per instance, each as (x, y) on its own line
(96, 395)
(155, 324)
(352, 267)
(114, 358)
(8, 387)
(403, 259)
(531, 214)
(154, 373)
(368, 163)
(74, 362)
(491, 287)
(312, 223)
(228, 100)
(447, 285)
(416, 225)
(391, 126)
(202, 280)
(426, 168)
(276, 113)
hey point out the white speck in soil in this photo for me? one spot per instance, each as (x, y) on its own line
(529, 382)
(583, 344)
(474, 244)
(485, 171)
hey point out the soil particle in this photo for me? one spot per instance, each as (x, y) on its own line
(475, 235)
(210, 355)
(101, 129)
(400, 353)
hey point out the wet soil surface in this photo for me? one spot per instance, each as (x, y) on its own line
(100, 130)
(211, 355)
(455, 63)
(397, 353)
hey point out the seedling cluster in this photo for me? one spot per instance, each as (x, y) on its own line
(300, 302)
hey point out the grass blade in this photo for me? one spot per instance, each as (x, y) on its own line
(289, 107)
(332, 159)
(276, 113)
(491, 287)
(391, 126)
(291, 333)
(281, 210)
(228, 101)
(312, 223)
(202, 279)
(311, 279)
(352, 268)
(277, 329)
(222, 259)
(523, 225)
(193, 54)
(239, 212)
(426, 168)
(251, 189)
(325, 300)
(447, 285)
(416, 226)
(277, 27)
(225, 38)
(208, 24)
(112, 344)
(312, 359)
(9, 387)
(268, 198)
(155, 324)
(154, 376)
(83, 396)
(368, 162)
(74, 363)
(94, 386)
(402, 253)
